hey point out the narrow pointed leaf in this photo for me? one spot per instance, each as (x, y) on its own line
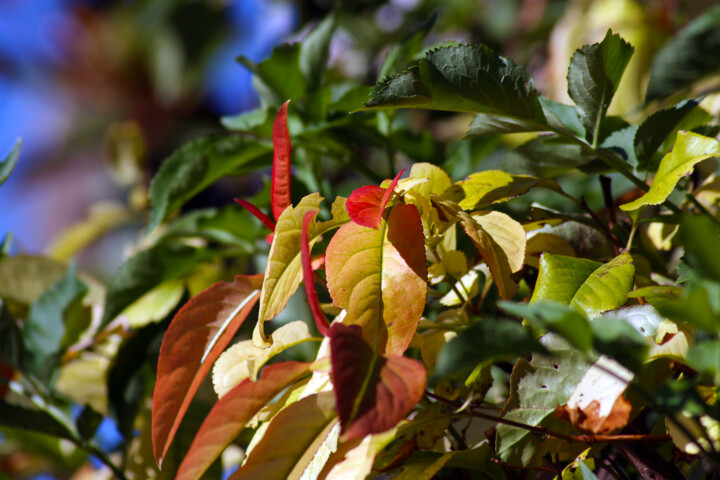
(280, 186)
(314, 51)
(197, 335)
(196, 166)
(8, 164)
(291, 440)
(482, 189)
(463, 78)
(372, 393)
(283, 273)
(321, 322)
(257, 213)
(656, 128)
(690, 148)
(687, 58)
(232, 412)
(379, 277)
(366, 205)
(278, 77)
(501, 242)
(593, 78)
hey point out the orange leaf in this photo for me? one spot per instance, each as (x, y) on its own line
(372, 393)
(367, 204)
(232, 412)
(197, 335)
(379, 277)
(280, 185)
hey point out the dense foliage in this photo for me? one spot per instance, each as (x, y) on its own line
(470, 315)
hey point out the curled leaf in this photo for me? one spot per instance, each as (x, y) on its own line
(321, 322)
(367, 204)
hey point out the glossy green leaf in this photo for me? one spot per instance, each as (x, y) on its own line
(291, 440)
(232, 412)
(283, 273)
(196, 166)
(606, 287)
(314, 51)
(487, 339)
(200, 331)
(379, 277)
(463, 78)
(656, 128)
(593, 78)
(46, 324)
(482, 189)
(622, 142)
(559, 277)
(536, 389)
(555, 317)
(8, 164)
(563, 116)
(146, 270)
(690, 148)
(687, 58)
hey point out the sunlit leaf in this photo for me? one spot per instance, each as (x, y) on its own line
(8, 164)
(482, 189)
(155, 305)
(542, 242)
(244, 359)
(197, 335)
(195, 166)
(354, 460)
(559, 277)
(280, 186)
(593, 78)
(607, 287)
(232, 412)
(292, 439)
(372, 393)
(366, 205)
(379, 277)
(501, 242)
(283, 273)
(656, 128)
(23, 278)
(690, 148)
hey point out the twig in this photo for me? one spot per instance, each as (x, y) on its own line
(616, 243)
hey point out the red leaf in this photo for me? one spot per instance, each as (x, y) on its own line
(367, 204)
(257, 213)
(280, 186)
(6, 374)
(321, 322)
(197, 335)
(372, 393)
(232, 412)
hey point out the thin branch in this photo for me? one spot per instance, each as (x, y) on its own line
(616, 243)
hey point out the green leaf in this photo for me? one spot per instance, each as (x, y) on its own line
(487, 339)
(593, 78)
(23, 278)
(425, 465)
(701, 238)
(555, 317)
(291, 440)
(485, 188)
(196, 166)
(690, 148)
(6, 245)
(463, 78)
(559, 277)
(545, 157)
(314, 51)
(687, 58)
(561, 116)
(48, 422)
(45, 326)
(230, 225)
(278, 78)
(695, 310)
(587, 474)
(536, 389)
(8, 164)
(258, 121)
(379, 277)
(404, 50)
(705, 358)
(619, 340)
(283, 273)
(11, 342)
(622, 142)
(146, 270)
(607, 287)
(656, 128)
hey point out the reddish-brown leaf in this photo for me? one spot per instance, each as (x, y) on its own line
(197, 335)
(321, 322)
(6, 374)
(367, 204)
(372, 393)
(280, 185)
(380, 277)
(257, 213)
(232, 412)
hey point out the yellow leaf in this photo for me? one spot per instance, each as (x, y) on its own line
(482, 189)
(154, 305)
(542, 242)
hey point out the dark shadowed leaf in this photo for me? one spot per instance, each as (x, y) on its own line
(24, 418)
(546, 156)
(687, 58)
(701, 238)
(314, 51)
(291, 440)
(617, 339)
(656, 128)
(593, 77)
(372, 393)
(197, 335)
(148, 269)
(278, 77)
(232, 412)
(403, 52)
(8, 164)
(487, 339)
(196, 166)
(555, 317)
